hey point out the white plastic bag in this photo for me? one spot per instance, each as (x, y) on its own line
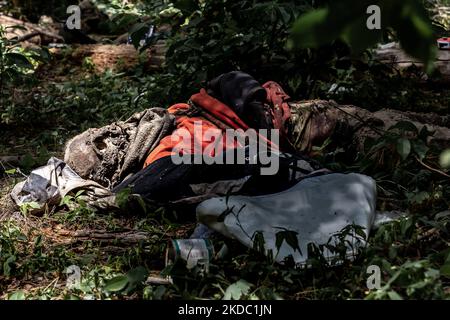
(316, 208)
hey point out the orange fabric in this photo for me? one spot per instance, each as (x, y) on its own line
(213, 106)
(218, 109)
(280, 110)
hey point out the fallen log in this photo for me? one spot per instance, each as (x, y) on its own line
(28, 31)
(392, 54)
(117, 57)
(117, 238)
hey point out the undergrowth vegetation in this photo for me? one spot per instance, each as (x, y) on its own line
(38, 254)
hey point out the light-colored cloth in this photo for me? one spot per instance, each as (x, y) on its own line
(109, 154)
(316, 209)
(47, 185)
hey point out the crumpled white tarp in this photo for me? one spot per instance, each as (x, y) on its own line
(48, 184)
(316, 208)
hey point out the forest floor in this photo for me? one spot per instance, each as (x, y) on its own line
(116, 254)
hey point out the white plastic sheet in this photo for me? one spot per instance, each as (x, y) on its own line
(316, 208)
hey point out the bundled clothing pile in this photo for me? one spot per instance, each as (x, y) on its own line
(234, 199)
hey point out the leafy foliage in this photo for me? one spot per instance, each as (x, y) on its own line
(212, 37)
(33, 9)
(347, 20)
(13, 60)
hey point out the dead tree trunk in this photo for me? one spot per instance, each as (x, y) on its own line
(32, 33)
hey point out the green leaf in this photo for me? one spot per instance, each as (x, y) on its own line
(28, 207)
(347, 19)
(259, 242)
(360, 231)
(444, 159)
(312, 29)
(116, 284)
(186, 6)
(279, 240)
(406, 226)
(420, 197)
(358, 37)
(432, 274)
(16, 27)
(17, 295)
(415, 32)
(284, 15)
(27, 161)
(159, 292)
(445, 269)
(19, 60)
(79, 193)
(7, 265)
(394, 295)
(237, 290)
(38, 241)
(403, 147)
(170, 12)
(420, 148)
(292, 240)
(122, 197)
(135, 277)
(11, 171)
(290, 237)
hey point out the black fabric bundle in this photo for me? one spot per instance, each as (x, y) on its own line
(242, 93)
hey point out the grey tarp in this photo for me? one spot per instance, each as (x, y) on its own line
(316, 209)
